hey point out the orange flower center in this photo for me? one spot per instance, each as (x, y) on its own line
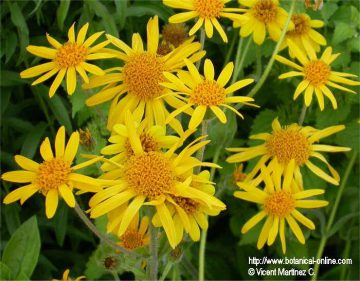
(239, 174)
(142, 75)
(132, 239)
(52, 173)
(279, 204)
(317, 72)
(175, 34)
(70, 54)
(149, 174)
(302, 25)
(287, 144)
(265, 11)
(148, 144)
(187, 204)
(209, 8)
(208, 93)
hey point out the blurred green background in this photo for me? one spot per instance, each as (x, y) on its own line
(28, 115)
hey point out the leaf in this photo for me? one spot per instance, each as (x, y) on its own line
(60, 222)
(341, 222)
(349, 137)
(12, 219)
(221, 135)
(57, 106)
(77, 101)
(32, 140)
(329, 116)
(328, 10)
(121, 12)
(342, 32)
(22, 251)
(101, 11)
(10, 46)
(10, 78)
(262, 122)
(62, 12)
(5, 272)
(149, 8)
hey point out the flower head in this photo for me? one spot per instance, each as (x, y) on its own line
(66, 277)
(54, 177)
(260, 16)
(279, 201)
(317, 74)
(304, 31)
(207, 13)
(136, 86)
(67, 59)
(288, 148)
(150, 179)
(205, 92)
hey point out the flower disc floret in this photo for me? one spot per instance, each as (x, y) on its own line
(188, 205)
(209, 8)
(280, 204)
(208, 93)
(287, 144)
(317, 72)
(52, 174)
(265, 11)
(70, 54)
(142, 75)
(149, 174)
(132, 239)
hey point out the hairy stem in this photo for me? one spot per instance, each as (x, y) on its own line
(154, 264)
(332, 214)
(102, 237)
(239, 64)
(166, 271)
(230, 50)
(202, 42)
(302, 115)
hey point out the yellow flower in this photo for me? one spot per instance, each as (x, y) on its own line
(67, 58)
(304, 31)
(280, 202)
(135, 236)
(66, 277)
(54, 177)
(149, 179)
(136, 85)
(205, 92)
(288, 148)
(190, 214)
(207, 11)
(317, 74)
(262, 15)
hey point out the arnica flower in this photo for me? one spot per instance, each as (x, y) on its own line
(150, 179)
(207, 13)
(205, 92)
(54, 177)
(136, 85)
(262, 15)
(279, 202)
(317, 74)
(191, 214)
(66, 277)
(173, 35)
(136, 235)
(152, 138)
(304, 31)
(67, 59)
(289, 144)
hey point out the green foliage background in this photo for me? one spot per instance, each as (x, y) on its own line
(37, 248)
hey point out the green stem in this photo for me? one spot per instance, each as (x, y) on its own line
(153, 253)
(202, 42)
(240, 64)
(230, 50)
(258, 62)
(103, 238)
(302, 115)
(272, 59)
(332, 214)
(116, 276)
(166, 271)
(200, 153)
(215, 160)
(237, 57)
(345, 256)
(202, 255)
(46, 113)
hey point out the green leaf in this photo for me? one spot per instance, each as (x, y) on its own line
(62, 12)
(329, 116)
(101, 11)
(328, 10)
(10, 46)
(77, 101)
(5, 272)
(221, 135)
(10, 78)
(60, 222)
(22, 251)
(262, 122)
(342, 32)
(349, 137)
(60, 111)
(148, 8)
(32, 140)
(121, 12)
(341, 222)
(12, 219)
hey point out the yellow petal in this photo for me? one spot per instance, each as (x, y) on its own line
(253, 221)
(26, 163)
(67, 195)
(225, 74)
(71, 33)
(72, 147)
(37, 70)
(153, 35)
(55, 85)
(18, 193)
(60, 142)
(51, 203)
(296, 229)
(71, 80)
(45, 150)
(196, 26)
(82, 34)
(197, 116)
(131, 211)
(42, 52)
(209, 70)
(167, 223)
